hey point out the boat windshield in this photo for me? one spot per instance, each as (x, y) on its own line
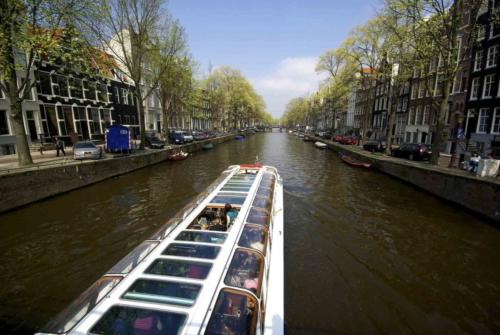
(163, 292)
(178, 268)
(245, 270)
(234, 313)
(129, 320)
(258, 216)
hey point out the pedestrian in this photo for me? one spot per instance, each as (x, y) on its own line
(60, 146)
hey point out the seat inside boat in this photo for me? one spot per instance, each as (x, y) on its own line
(212, 218)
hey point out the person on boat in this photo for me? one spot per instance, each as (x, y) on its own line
(252, 283)
(258, 241)
(229, 215)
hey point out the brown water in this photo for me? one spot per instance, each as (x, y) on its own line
(364, 253)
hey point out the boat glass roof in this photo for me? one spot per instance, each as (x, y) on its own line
(206, 237)
(163, 292)
(179, 268)
(192, 250)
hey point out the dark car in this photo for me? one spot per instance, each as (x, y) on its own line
(413, 151)
(177, 137)
(374, 146)
(154, 143)
(326, 134)
(199, 135)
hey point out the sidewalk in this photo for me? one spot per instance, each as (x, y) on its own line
(49, 157)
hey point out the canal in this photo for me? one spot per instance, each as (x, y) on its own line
(364, 253)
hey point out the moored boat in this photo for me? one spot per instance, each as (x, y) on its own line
(214, 268)
(320, 145)
(353, 162)
(177, 156)
(307, 138)
(208, 146)
(239, 137)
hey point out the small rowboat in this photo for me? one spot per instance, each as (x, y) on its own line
(353, 162)
(207, 146)
(177, 156)
(239, 137)
(320, 145)
(307, 138)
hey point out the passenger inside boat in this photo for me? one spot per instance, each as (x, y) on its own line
(245, 271)
(255, 237)
(216, 218)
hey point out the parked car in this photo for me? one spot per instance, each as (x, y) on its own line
(154, 143)
(326, 134)
(413, 151)
(338, 138)
(188, 137)
(86, 150)
(177, 137)
(375, 146)
(348, 140)
(199, 135)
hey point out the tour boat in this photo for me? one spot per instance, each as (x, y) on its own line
(214, 268)
(177, 156)
(353, 162)
(320, 145)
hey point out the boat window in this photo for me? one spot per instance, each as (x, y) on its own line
(234, 313)
(192, 250)
(258, 216)
(129, 262)
(265, 191)
(245, 270)
(70, 316)
(163, 292)
(255, 237)
(262, 202)
(176, 268)
(229, 199)
(235, 189)
(130, 320)
(206, 237)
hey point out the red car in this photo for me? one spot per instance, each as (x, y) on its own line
(349, 140)
(338, 138)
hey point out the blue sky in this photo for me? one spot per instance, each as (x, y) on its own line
(274, 43)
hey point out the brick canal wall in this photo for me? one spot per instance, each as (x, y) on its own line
(481, 195)
(21, 188)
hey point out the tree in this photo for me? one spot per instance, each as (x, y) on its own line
(136, 33)
(431, 29)
(30, 31)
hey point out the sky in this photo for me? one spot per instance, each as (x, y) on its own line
(274, 43)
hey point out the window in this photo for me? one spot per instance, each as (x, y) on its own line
(482, 120)
(474, 91)
(178, 268)
(492, 57)
(116, 95)
(494, 29)
(2, 96)
(103, 92)
(27, 87)
(495, 125)
(421, 89)
(481, 32)
(60, 85)
(405, 105)
(105, 115)
(245, 270)
(124, 97)
(411, 115)
(4, 125)
(427, 114)
(61, 121)
(90, 90)
(488, 86)
(138, 320)
(234, 313)
(192, 250)
(93, 117)
(76, 88)
(131, 99)
(163, 292)
(478, 60)
(418, 115)
(44, 85)
(206, 237)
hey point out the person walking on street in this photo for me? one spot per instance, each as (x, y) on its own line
(60, 146)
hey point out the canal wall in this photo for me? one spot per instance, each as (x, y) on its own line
(478, 194)
(21, 188)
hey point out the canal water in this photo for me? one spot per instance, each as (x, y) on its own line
(364, 253)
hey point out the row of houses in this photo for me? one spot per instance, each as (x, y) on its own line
(71, 105)
(473, 115)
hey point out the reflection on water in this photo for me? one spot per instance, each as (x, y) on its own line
(364, 253)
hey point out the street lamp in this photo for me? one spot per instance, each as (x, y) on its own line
(459, 119)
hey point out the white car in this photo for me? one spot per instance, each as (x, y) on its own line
(86, 150)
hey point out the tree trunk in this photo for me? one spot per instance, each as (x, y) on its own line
(391, 116)
(16, 109)
(142, 118)
(164, 131)
(437, 139)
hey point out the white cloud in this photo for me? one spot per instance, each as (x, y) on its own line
(293, 77)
